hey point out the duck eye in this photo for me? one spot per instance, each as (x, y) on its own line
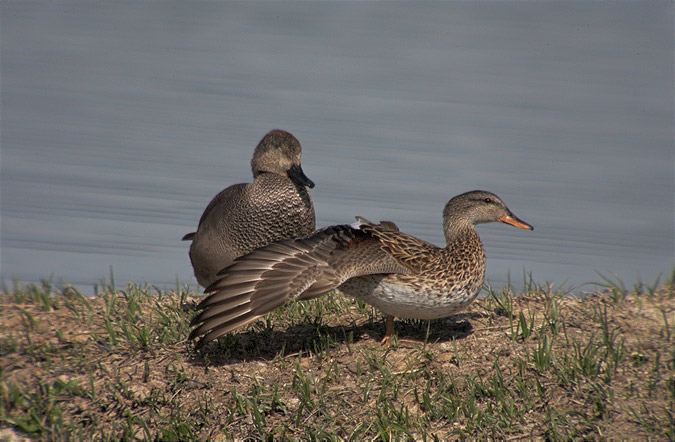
(488, 200)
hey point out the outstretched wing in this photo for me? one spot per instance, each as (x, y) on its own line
(301, 268)
(269, 277)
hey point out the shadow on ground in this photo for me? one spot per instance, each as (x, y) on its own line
(267, 344)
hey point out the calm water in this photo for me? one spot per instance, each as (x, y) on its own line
(120, 121)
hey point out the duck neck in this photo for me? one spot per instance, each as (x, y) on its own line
(458, 230)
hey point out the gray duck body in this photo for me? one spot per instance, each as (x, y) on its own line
(244, 217)
(397, 273)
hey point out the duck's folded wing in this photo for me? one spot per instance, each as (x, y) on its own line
(406, 249)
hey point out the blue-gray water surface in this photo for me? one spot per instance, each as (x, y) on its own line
(121, 120)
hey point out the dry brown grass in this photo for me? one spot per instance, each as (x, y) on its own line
(539, 365)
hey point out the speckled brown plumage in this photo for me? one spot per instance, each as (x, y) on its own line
(243, 217)
(399, 274)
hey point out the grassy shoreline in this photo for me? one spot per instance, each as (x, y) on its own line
(532, 365)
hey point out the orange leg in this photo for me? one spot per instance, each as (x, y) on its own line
(389, 326)
(389, 333)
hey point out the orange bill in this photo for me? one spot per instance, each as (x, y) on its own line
(509, 218)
